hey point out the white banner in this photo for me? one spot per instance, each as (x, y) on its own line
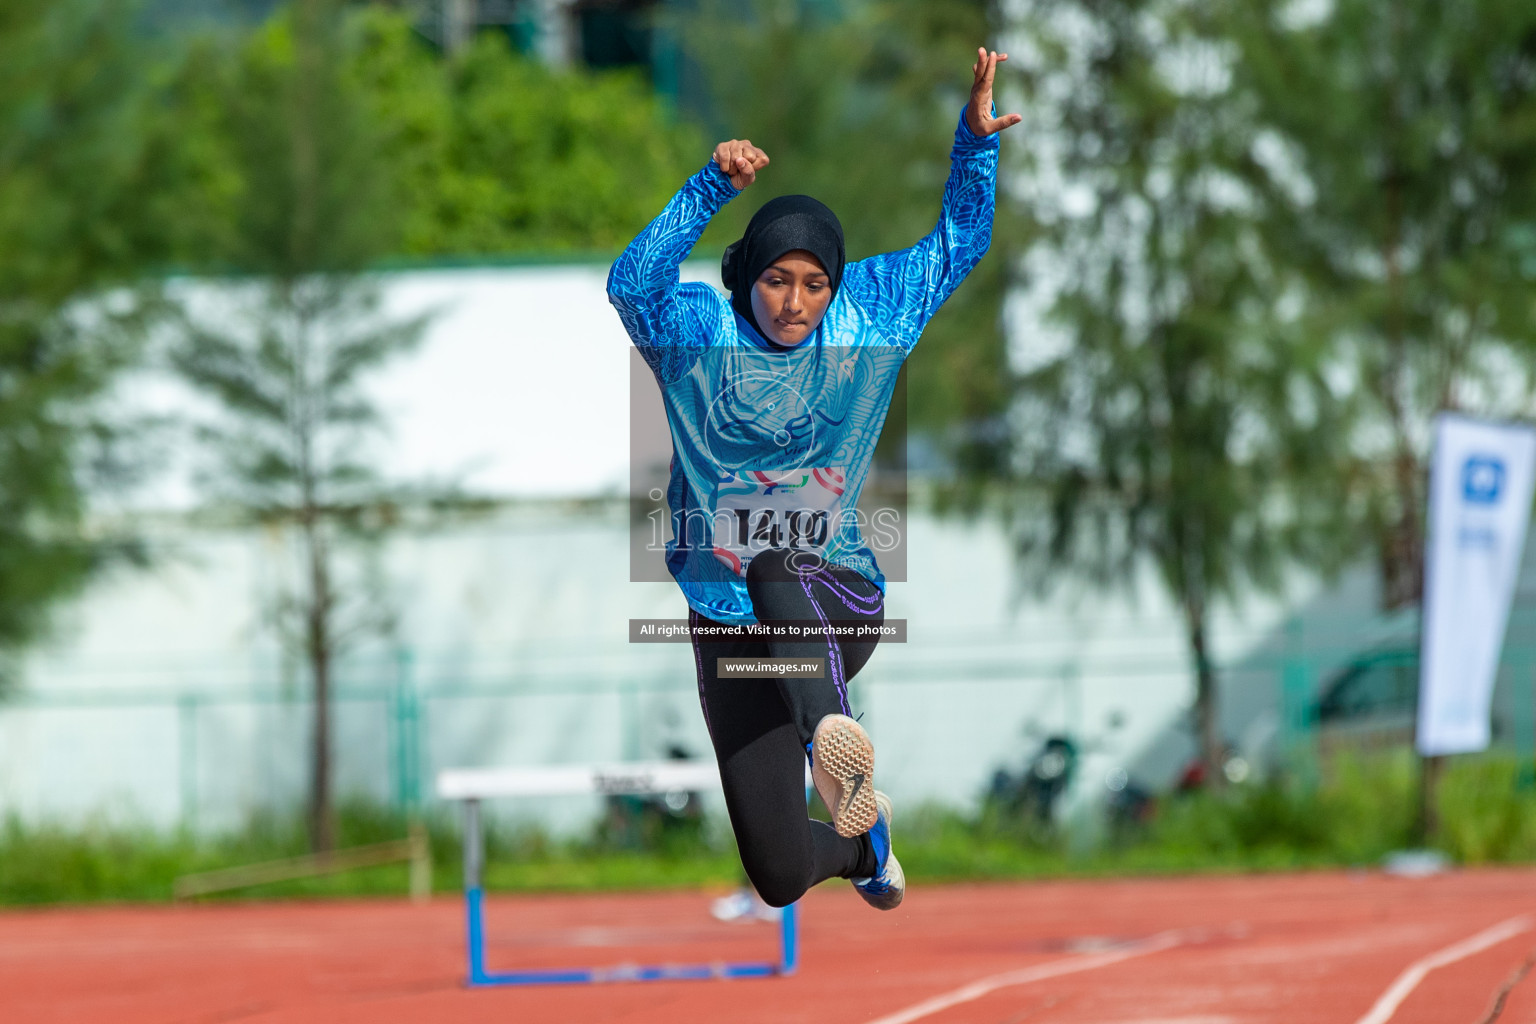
(1479, 503)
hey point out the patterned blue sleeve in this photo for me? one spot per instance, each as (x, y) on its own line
(643, 283)
(902, 290)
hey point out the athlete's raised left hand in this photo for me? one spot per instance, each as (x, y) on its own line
(978, 113)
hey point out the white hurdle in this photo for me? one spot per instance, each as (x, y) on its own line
(472, 785)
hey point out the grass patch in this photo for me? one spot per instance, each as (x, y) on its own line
(1359, 810)
(103, 862)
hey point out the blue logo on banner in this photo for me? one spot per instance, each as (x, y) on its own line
(1482, 478)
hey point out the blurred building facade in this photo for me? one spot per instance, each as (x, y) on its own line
(596, 33)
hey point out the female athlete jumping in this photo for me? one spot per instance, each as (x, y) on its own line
(775, 398)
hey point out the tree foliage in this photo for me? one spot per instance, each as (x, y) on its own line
(481, 154)
(1275, 241)
(1397, 148)
(497, 153)
(1178, 418)
(80, 179)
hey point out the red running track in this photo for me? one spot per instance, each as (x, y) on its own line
(1288, 949)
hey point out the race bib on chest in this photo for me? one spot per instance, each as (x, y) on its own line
(756, 510)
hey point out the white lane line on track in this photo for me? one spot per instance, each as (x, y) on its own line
(1409, 980)
(1024, 976)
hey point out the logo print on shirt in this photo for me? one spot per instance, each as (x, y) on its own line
(755, 418)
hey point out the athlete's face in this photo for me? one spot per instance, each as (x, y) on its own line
(791, 296)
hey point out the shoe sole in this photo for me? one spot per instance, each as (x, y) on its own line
(842, 768)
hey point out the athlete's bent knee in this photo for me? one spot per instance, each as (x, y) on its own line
(778, 887)
(780, 895)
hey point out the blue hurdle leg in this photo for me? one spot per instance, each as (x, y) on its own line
(789, 944)
(474, 897)
(473, 903)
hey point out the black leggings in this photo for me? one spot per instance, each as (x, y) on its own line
(761, 727)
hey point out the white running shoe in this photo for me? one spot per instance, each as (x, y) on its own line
(842, 767)
(743, 903)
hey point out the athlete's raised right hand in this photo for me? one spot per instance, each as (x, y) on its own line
(741, 161)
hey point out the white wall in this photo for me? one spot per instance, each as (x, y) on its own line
(517, 629)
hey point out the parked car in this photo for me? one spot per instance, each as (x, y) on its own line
(1371, 703)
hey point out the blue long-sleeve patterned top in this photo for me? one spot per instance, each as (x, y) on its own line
(770, 445)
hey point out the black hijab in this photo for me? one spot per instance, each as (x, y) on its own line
(781, 225)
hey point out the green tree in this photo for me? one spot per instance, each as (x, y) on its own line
(496, 153)
(1399, 141)
(1175, 418)
(310, 211)
(484, 153)
(79, 189)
